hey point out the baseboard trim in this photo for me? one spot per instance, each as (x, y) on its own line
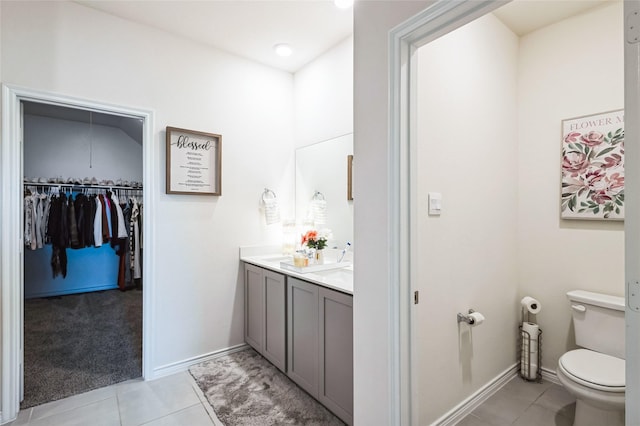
(550, 375)
(180, 366)
(461, 410)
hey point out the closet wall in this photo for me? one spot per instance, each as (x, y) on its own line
(56, 147)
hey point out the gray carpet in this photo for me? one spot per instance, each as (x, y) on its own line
(79, 342)
(244, 389)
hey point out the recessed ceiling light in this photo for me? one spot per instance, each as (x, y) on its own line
(343, 4)
(283, 49)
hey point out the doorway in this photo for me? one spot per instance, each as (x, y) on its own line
(12, 235)
(82, 274)
(419, 31)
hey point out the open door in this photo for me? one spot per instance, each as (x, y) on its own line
(632, 215)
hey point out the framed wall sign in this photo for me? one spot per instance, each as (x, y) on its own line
(194, 162)
(593, 167)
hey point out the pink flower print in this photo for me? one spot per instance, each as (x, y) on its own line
(613, 160)
(601, 197)
(592, 138)
(615, 183)
(572, 137)
(575, 163)
(594, 175)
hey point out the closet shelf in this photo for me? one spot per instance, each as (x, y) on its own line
(83, 186)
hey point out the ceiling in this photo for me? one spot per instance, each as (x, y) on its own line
(250, 28)
(525, 16)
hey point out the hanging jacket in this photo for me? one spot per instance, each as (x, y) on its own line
(97, 223)
(74, 242)
(58, 233)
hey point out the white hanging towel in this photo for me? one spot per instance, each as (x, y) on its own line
(319, 209)
(271, 207)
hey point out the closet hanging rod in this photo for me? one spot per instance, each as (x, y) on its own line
(76, 185)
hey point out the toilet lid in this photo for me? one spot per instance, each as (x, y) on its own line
(594, 367)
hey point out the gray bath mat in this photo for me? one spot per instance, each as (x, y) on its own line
(244, 389)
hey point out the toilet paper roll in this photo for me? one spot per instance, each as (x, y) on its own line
(529, 352)
(478, 318)
(532, 372)
(531, 304)
(530, 340)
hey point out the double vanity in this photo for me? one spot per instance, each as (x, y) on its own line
(303, 324)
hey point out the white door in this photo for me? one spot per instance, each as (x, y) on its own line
(632, 214)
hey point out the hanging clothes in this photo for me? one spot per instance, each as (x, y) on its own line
(58, 232)
(122, 228)
(97, 223)
(28, 219)
(45, 204)
(134, 245)
(106, 226)
(74, 241)
(83, 220)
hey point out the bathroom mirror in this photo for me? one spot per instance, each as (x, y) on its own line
(323, 167)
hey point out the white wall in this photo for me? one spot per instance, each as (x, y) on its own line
(467, 256)
(372, 342)
(63, 148)
(324, 96)
(569, 69)
(74, 50)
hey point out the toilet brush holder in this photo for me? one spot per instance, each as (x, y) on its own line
(530, 350)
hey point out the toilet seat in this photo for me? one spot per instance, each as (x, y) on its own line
(594, 370)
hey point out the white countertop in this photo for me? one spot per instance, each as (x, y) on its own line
(336, 279)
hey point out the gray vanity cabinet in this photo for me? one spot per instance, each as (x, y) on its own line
(302, 307)
(320, 344)
(336, 353)
(265, 322)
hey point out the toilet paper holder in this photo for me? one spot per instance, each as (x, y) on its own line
(466, 317)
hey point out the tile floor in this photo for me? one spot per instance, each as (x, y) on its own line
(522, 403)
(176, 400)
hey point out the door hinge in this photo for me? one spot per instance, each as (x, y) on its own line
(416, 297)
(633, 297)
(632, 27)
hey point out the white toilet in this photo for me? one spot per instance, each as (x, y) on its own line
(595, 375)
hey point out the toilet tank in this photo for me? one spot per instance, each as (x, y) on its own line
(598, 320)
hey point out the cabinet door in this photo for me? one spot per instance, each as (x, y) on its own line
(275, 335)
(253, 307)
(302, 336)
(336, 353)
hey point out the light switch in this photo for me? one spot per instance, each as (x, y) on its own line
(435, 203)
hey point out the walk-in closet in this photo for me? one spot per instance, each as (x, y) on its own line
(83, 244)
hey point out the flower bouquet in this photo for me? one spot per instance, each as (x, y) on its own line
(315, 243)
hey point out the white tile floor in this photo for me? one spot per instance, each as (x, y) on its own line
(174, 400)
(522, 403)
(177, 401)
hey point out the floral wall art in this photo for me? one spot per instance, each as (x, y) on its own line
(593, 167)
